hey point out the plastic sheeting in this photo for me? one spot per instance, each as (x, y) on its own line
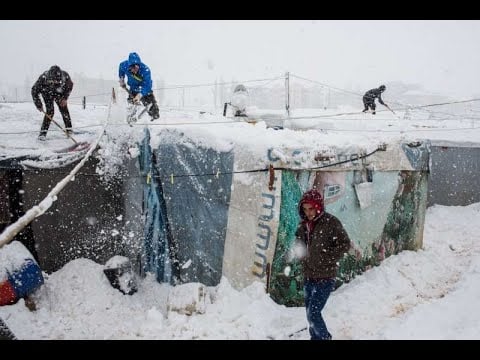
(187, 203)
(157, 239)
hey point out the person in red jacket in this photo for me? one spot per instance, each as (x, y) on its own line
(321, 241)
(56, 85)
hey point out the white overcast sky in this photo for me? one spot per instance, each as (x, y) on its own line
(443, 56)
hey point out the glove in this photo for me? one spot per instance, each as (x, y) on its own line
(137, 98)
(122, 83)
(63, 102)
(39, 108)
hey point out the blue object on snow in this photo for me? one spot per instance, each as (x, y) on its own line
(26, 279)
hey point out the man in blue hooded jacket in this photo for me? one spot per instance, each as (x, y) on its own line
(139, 81)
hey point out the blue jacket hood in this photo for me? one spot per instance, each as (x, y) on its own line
(133, 59)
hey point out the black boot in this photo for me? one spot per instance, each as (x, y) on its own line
(154, 112)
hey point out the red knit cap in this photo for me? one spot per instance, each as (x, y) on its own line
(314, 198)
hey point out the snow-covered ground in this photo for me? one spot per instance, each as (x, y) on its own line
(432, 293)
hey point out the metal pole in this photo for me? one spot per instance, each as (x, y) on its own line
(215, 91)
(287, 93)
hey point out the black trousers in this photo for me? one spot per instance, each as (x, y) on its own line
(368, 103)
(146, 100)
(50, 111)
